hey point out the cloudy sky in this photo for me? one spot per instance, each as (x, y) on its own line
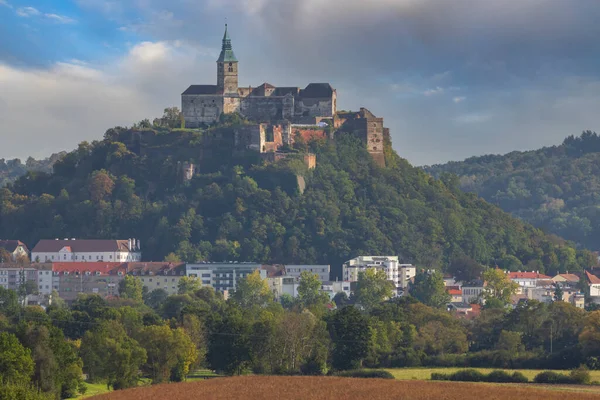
(452, 78)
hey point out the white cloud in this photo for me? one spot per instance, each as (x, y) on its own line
(74, 101)
(434, 91)
(27, 12)
(459, 99)
(5, 4)
(61, 19)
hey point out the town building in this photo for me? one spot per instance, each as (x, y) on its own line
(472, 291)
(594, 284)
(567, 279)
(223, 276)
(85, 250)
(334, 287)
(400, 274)
(73, 278)
(527, 279)
(455, 294)
(14, 276)
(17, 250)
(158, 275)
(322, 271)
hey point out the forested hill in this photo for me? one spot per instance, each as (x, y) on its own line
(555, 188)
(237, 208)
(10, 170)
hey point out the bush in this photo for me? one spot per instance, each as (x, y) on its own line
(580, 376)
(21, 391)
(553, 378)
(505, 377)
(365, 373)
(473, 375)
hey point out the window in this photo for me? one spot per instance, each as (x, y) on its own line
(110, 257)
(90, 257)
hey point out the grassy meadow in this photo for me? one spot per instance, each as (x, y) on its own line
(425, 373)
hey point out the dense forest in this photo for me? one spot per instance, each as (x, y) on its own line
(11, 170)
(241, 209)
(554, 188)
(146, 337)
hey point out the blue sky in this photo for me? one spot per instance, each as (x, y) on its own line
(451, 78)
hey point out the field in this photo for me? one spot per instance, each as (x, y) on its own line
(425, 373)
(285, 387)
(94, 389)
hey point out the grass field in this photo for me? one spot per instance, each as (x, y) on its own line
(425, 373)
(312, 388)
(94, 389)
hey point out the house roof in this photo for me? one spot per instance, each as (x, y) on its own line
(567, 277)
(81, 245)
(104, 268)
(454, 292)
(202, 89)
(11, 245)
(593, 279)
(317, 90)
(153, 268)
(282, 91)
(527, 275)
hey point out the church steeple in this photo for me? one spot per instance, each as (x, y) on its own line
(227, 67)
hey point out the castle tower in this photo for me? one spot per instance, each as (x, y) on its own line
(227, 67)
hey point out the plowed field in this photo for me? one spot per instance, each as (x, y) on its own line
(283, 387)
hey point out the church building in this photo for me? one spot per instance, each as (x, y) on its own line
(204, 104)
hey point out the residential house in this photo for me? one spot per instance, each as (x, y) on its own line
(223, 276)
(17, 250)
(567, 279)
(334, 287)
(14, 276)
(527, 279)
(455, 293)
(594, 285)
(158, 275)
(578, 300)
(399, 274)
(472, 291)
(84, 250)
(73, 278)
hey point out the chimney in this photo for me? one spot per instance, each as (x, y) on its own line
(139, 245)
(129, 241)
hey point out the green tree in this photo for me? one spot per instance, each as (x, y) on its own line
(309, 291)
(188, 285)
(372, 288)
(16, 364)
(350, 336)
(558, 292)
(109, 353)
(465, 269)
(253, 290)
(429, 289)
(499, 286)
(131, 288)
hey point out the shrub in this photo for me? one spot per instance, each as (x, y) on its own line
(580, 376)
(551, 377)
(505, 377)
(365, 373)
(22, 391)
(436, 376)
(467, 375)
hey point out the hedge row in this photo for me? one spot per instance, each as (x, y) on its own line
(473, 375)
(578, 376)
(364, 373)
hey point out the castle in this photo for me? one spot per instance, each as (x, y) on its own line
(280, 113)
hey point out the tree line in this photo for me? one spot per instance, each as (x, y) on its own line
(151, 337)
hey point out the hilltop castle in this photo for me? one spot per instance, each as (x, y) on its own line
(281, 113)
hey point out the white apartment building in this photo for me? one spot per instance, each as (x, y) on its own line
(399, 274)
(83, 250)
(334, 287)
(223, 276)
(13, 276)
(321, 270)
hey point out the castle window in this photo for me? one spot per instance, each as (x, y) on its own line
(375, 148)
(230, 64)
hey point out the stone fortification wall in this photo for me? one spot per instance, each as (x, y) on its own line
(201, 109)
(308, 133)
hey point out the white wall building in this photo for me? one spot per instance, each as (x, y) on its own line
(15, 248)
(321, 270)
(83, 250)
(399, 274)
(45, 278)
(527, 279)
(223, 276)
(472, 291)
(334, 287)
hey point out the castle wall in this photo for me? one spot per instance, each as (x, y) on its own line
(248, 136)
(201, 109)
(315, 107)
(231, 104)
(262, 108)
(309, 134)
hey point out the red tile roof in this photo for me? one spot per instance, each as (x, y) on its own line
(593, 279)
(104, 268)
(527, 275)
(570, 277)
(455, 292)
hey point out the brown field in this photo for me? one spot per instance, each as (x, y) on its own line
(285, 387)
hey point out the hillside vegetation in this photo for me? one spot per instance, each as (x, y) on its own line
(11, 170)
(238, 208)
(554, 188)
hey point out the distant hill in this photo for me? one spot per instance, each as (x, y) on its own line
(554, 188)
(240, 208)
(10, 170)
